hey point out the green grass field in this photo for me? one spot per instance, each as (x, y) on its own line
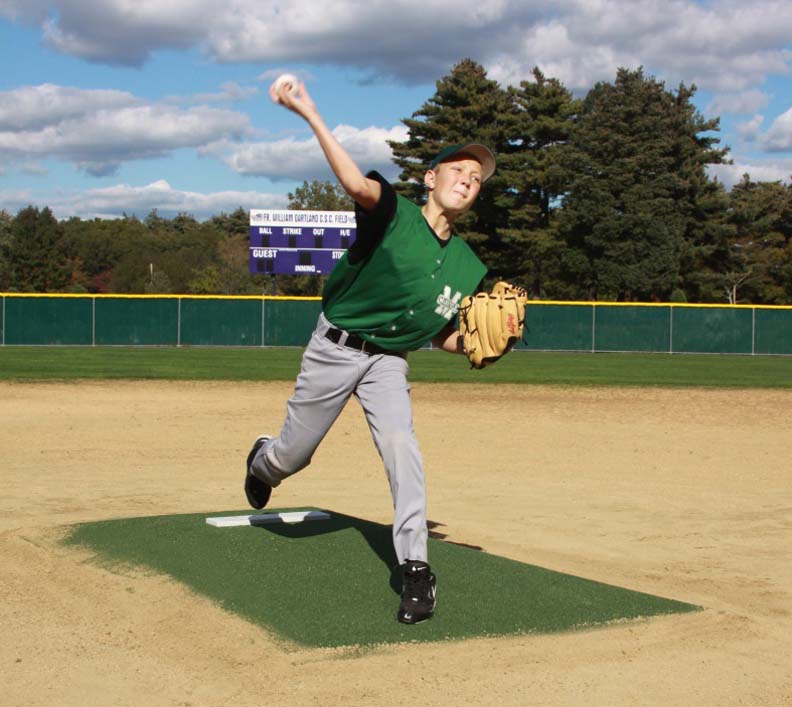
(331, 582)
(243, 364)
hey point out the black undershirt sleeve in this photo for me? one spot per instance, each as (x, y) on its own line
(371, 225)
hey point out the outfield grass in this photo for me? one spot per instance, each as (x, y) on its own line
(332, 583)
(242, 364)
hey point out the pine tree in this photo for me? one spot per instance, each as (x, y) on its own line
(539, 125)
(703, 202)
(39, 252)
(639, 199)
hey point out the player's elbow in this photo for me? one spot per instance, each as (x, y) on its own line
(449, 341)
(364, 192)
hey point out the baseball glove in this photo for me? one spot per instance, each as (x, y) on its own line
(492, 323)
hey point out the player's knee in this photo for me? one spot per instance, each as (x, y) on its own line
(397, 442)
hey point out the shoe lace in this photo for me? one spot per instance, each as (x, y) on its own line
(417, 583)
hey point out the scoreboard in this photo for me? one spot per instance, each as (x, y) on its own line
(299, 242)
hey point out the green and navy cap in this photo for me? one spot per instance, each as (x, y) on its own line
(477, 151)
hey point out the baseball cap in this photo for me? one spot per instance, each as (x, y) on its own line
(474, 149)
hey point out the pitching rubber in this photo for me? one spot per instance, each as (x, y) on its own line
(265, 518)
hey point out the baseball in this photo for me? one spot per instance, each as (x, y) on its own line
(289, 80)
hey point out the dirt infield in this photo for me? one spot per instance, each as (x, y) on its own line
(682, 493)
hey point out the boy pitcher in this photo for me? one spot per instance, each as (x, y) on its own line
(397, 288)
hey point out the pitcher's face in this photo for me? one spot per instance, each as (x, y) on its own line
(454, 184)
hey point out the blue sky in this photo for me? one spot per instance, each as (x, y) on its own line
(122, 106)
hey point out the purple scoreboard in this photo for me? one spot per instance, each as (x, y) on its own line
(298, 242)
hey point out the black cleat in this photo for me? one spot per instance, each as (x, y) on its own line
(257, 491)
(419, 588)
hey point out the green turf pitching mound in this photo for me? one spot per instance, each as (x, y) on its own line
(330, 582)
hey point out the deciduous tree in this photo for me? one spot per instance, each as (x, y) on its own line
(760, 253)
(5, 249)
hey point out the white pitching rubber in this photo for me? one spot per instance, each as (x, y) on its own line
(264, 518)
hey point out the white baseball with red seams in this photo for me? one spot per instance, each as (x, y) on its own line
(289, 80)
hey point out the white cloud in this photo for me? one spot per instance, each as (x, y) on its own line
(292, 159)
(114, 201)
(34, 169)
(559, 55)
(33, 107)
(741, 103)
(726, 46)
(230, 92)
(98, 130)
(749, 130)
(413, 40)
(124, 32)
(25, 10)
(731, 174)
(778, 138)
(723, 46)
(270, 75)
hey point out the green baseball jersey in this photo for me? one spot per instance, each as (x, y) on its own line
(399, 284)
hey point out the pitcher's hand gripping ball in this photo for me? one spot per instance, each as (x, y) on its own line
(492, 323)
(290, 81)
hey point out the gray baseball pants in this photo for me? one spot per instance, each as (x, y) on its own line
(331, 373)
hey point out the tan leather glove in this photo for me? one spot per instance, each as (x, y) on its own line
(492, 323)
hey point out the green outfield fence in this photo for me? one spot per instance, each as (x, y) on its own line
(263, 320)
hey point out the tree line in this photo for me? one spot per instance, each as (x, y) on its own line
(601, 198)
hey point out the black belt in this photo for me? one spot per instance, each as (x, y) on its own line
(355, 342)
